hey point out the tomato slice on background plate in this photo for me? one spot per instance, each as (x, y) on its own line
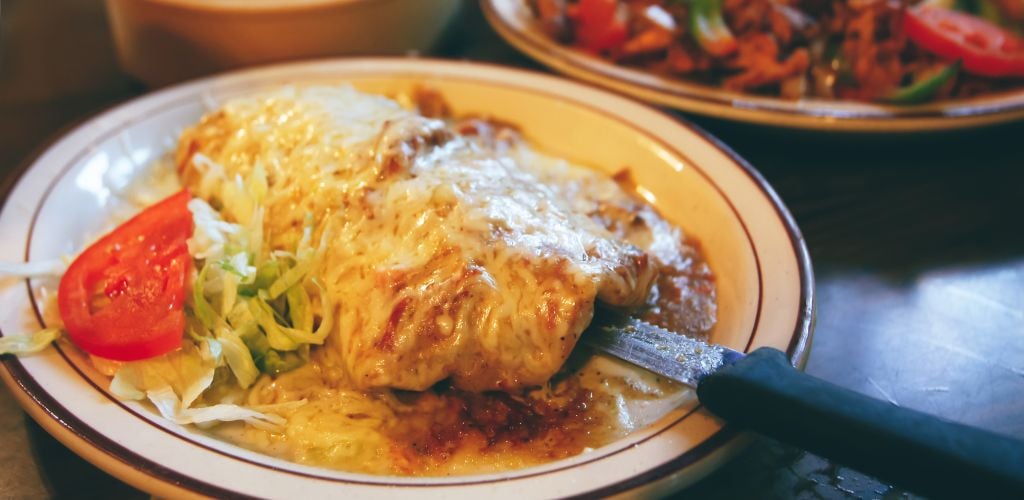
(123, 298)
(601, 25)
(984, 48)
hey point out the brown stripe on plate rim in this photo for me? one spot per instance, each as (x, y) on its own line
(44, 400)
(795, 348)
(67, 167)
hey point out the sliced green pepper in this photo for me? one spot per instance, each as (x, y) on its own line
(709, 29)
(924, 88)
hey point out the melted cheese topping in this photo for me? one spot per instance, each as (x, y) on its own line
(447, 258)
(453, 251)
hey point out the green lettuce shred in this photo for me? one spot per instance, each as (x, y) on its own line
(276, 335)
(300, 311)
(251, 312)
(200, 306)
(238, 357)
(290, 278)
(36, 269)
(173, 409)
(187, 371)
(30, 343)
(258, 304)
(266, 275)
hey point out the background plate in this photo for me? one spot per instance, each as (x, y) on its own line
(514, 22)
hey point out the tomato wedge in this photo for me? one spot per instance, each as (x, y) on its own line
(123, 298)
(984, 48)
(601, 25)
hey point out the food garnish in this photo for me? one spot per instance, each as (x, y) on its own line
(123, 298)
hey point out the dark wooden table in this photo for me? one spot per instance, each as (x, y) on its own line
(917, 244)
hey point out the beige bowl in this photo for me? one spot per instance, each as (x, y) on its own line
(165, 41)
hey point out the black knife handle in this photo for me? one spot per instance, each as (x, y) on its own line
(922, 453)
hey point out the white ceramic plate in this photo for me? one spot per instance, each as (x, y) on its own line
(750, 240)
(513, 20)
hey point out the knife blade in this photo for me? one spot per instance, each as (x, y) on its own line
(666, 353)
(761, 391)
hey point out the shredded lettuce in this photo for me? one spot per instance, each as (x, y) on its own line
(278, 362)
(240, 318)
(300, 310)
(240, 200)
(38, 269)
(256, 185)
(326, 314)
(268, 360)
(28, 343)
(123, 388)
(266, 275)
(229, 294)
(201, 308)
(212, 234)
(238, 357)
(247, 295)
(251, 310)
(254, 229)
(280, 337)
(290, 278)
(187, 371)
(166, 401)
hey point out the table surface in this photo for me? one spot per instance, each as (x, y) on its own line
(917, 244)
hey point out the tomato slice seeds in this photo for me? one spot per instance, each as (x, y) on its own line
(984, 48)
(123, 298)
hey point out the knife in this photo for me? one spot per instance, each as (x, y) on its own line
(762, 391)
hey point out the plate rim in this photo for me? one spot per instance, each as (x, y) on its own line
(759, 110)
(57, 425)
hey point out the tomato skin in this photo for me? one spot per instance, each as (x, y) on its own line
(123, 298)
(599, 25)
(984, 48)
